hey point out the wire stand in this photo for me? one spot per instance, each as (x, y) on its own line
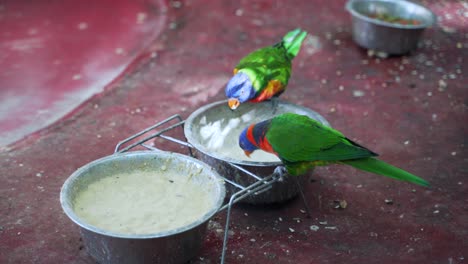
(260, 185)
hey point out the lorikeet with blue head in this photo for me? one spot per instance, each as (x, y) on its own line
(264, 73)
(301, 143)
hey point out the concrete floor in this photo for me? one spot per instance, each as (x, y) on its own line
(160, 58)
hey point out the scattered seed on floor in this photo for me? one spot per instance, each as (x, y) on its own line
(314, 227)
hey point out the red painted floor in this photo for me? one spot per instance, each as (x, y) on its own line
(57, 54)
(411, 110)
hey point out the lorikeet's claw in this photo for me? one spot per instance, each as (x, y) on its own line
(281, 172)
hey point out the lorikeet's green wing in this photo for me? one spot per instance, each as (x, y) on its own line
(298, 138)
(302, 142)
(264, 65)
(272, 64)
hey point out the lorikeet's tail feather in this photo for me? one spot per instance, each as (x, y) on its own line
(292, 42)
(380, 167)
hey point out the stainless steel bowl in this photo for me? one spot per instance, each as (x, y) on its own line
(382, 36)
(214, 129)
(173, 246)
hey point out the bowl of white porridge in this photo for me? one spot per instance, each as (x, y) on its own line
(143, 206)
(214, 129)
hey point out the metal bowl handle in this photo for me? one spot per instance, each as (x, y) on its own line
(159, 133)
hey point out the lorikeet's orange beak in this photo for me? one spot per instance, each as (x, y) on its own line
(247, 153)
(233, 103)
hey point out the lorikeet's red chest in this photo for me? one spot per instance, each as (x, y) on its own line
(266, 146)
(257, 137)
(274, 88)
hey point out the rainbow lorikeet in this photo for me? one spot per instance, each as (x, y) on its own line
(264, 73)
(301, 143)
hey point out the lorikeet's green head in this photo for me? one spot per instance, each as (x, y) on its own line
(239, 90)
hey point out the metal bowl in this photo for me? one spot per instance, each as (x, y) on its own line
(214, 129)
(172, 246)
(383, 36)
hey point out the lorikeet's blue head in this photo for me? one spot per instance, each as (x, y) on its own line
(245, 143)
(239, 90)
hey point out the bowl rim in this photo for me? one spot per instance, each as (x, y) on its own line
(67, 208)
(201, 148)
(350, 8)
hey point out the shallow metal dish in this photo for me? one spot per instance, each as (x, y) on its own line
(174, 246)
(382, 36)
(212, 149)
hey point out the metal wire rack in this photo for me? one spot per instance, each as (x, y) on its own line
(260, 185)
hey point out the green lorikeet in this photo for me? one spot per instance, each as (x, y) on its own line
(301, 143)
(264, 73)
